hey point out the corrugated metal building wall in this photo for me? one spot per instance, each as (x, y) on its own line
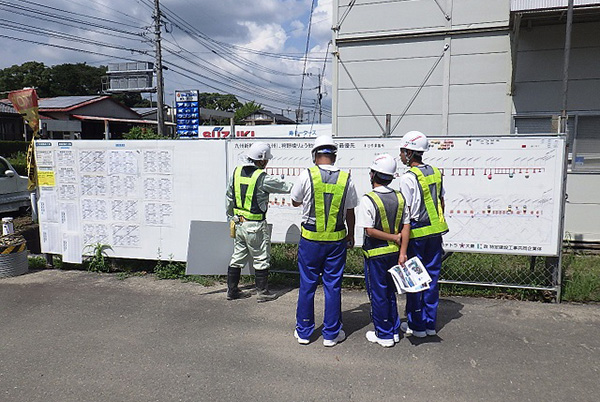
(501, 73)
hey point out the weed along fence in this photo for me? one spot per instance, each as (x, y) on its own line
(504, 197)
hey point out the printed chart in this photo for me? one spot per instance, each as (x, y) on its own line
(502, 194)
(138, 197)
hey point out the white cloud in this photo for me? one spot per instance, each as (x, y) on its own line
(275, 26)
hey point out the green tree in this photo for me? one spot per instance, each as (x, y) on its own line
(142, 133)
(217, 101)
(132, 99)
(29, 74)
(246, 110)
(76, 79)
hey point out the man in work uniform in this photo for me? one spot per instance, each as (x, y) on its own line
(422, 188)
(247, 202)
(328, 197)
(384, 216)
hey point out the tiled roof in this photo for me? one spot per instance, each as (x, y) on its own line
(6, 107)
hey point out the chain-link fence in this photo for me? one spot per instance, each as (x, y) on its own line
(501, 270)
(515, 271)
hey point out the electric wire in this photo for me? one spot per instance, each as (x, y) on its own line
(312, 8)
(231, 75)
(66, 47)
(105, 7)
(61, 19)
(31, 30)
(215, 47)
(76, 13)
(320, 79)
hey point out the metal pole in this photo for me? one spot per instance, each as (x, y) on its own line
(567, 56)
(388, 125)
(320, 98)
(160, 92)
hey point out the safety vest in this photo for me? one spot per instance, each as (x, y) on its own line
(329, 193)
(389, 214)
(431, 217)
(244, 186)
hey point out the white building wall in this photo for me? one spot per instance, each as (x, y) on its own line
(388, 47)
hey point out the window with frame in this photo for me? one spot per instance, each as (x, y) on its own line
(584, 137)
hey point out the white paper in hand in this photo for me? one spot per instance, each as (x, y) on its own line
(410, 277)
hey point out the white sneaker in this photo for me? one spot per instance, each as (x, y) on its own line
(405, 328)
(332, 342)
(372, 337)
(301, 341)
(396, 338)
(431, 332)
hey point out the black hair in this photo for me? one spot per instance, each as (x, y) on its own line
(381, 178)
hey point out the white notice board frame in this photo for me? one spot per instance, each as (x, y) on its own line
(504, 195)
(138, 196)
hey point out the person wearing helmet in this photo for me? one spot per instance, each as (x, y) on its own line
(328, 198)
(384, 216)
(247, 201)
(423, 190)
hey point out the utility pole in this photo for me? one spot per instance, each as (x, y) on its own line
(320, 97)
(160, 91)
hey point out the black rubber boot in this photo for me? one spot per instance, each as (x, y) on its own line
(233, 279)
(262, 287)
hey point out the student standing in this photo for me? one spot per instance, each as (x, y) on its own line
(423, 190)
(247, 202)
(328, 197)
(384, 216)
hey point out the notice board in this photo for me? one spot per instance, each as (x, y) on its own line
(137, 196)
(503, 194)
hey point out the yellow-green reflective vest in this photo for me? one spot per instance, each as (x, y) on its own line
(329, 193)
(244, 190)
(431, 217)
(389, 209)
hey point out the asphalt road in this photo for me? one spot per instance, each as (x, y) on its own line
(77, 336)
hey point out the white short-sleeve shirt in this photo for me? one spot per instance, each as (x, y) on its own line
(367, 213)
(409, 187)
(302, 192)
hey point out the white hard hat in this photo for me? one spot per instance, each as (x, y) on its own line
(260, 151)
(325, 144)
(415, 141)
(384, 164)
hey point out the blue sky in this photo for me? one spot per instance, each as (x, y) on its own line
(265, 63)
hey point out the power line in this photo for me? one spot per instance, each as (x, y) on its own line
(36, 14)
(76, 13)
(66, 47)
(312, 8)
(30, 29)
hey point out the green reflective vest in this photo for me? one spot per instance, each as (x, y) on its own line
(327, 197)
(247, 206)
(384, 247)
(435, 224)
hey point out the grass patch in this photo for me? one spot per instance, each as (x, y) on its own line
(581, 273)
(36, 263)
(581, 280)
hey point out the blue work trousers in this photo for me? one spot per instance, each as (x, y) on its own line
(421, 307)
(382, 294)
(329, 260)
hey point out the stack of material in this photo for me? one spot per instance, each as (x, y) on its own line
(13, 255)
